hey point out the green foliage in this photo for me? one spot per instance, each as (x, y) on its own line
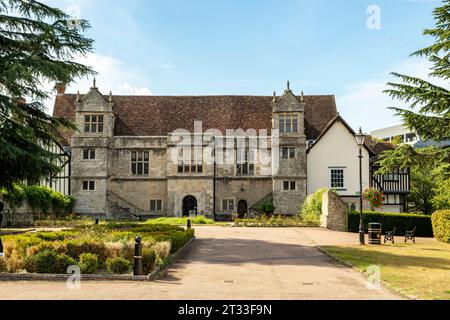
(429, 174)
(40, 199)
(75, 248)
(432, 101)
(374, 197)
(49, 262)
(311, 211)
(275, 221)
(85, 243)
(15, 197)
(199, 220)
(401, 221)
(38, 45)
(88, 263)
(441, 225)
(148, 260)
(179, 239)
(266, 207)
(118, 265)
(441, 199)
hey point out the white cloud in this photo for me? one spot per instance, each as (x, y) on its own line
(113, 76)
(366, 105)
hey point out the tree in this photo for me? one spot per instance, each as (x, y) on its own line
(432, 120)
(430, 171)
(38, 44)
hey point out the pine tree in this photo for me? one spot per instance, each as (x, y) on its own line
(38, 44)
(432, 119)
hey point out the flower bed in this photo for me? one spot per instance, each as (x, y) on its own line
(273, 222)
(105, 249)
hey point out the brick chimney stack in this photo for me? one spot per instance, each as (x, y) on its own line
(60, 88)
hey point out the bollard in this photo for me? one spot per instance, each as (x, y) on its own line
(189, 225)
(137, 270)
(96, 221)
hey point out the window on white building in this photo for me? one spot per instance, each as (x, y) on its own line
(337, 178)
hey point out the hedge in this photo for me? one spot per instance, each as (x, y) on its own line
(441, 225)
(401, 221)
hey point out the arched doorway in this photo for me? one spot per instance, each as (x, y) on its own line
(242, 209)
(189, 205)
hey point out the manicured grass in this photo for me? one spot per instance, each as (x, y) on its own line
(199, 220)
(421, 270)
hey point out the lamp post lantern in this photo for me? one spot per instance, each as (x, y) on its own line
(360, 139)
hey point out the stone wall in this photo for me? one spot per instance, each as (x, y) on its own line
(17, 217)
(334, 212)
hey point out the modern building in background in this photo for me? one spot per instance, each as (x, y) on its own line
(397, 133)
(402, 134)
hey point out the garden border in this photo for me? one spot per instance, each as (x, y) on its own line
(96, 277)
(154, 275)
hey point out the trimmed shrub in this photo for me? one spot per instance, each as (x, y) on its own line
(311, 211)
(76, 248)
(179, 239)
(401, 221)
(118, 265)
(441, 225)
(88, 263)
(148, 260)
(49, 262)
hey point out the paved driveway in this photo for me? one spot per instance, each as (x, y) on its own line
(228, 263)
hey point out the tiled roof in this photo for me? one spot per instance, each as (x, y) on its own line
(378, 147)
(161, 115)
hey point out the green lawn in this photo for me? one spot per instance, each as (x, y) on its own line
(421, 270)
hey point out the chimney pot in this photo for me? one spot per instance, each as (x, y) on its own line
(60, 88)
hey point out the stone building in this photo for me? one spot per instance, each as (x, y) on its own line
(145, 156)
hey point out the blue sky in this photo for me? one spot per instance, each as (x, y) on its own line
(251, 47)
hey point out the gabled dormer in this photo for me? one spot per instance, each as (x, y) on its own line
(94, 114)
(288, 113)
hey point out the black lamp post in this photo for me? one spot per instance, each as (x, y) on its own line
(1, 220)
(360, 139)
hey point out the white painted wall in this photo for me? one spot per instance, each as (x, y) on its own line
(337, 148)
